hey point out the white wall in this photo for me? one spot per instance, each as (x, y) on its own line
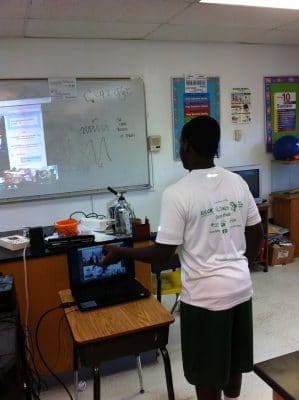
(236, 65)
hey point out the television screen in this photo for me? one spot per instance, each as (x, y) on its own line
(252, 176)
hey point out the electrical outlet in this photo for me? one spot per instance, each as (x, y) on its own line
(15, 242)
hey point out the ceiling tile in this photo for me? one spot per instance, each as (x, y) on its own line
(291, 25)
(149, 11)
(13, 8)
(253, 17)
(11, 28)
(83, 29)
(147, 19)
(216, 34)
(280, 36)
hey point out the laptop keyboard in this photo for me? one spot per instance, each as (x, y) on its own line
(111, 294)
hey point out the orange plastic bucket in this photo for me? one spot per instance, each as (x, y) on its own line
(67, 227)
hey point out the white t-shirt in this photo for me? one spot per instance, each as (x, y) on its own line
(206, 213)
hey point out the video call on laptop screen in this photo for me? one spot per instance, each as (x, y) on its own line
(91, 268)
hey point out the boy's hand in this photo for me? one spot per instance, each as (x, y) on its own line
(112, 254)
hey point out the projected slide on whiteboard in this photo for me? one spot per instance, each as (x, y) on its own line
(23, 155)
(56, 146)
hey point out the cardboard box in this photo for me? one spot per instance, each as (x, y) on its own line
(282, 253)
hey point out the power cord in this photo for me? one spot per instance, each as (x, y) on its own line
(63, 305)
(90, 215)
(62, 318)
(34, 382)
(151, 162)
(77, 212)
(26, 295)
(95, 215)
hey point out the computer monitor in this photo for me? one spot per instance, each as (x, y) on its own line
(252, 174)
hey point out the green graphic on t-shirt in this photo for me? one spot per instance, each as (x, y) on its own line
(207, 212)
(223, 216)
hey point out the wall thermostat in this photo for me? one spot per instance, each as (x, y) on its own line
(154, 142)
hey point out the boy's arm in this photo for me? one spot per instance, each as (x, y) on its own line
(155, 253)
(254, 235)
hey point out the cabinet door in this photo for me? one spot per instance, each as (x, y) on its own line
(143, 272)
(294, 223)
(46, 276)
(281, 212)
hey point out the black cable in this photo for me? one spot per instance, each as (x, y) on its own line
(77, 212)
(59, 341)
(33, 383)
(92, 215)
(34, 379)
(38, 346)
(95, 215)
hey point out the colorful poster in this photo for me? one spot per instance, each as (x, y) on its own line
(241, 106)
(196, 97)
(284, 112)
(196, 104)
(196, 83)
(186, 105)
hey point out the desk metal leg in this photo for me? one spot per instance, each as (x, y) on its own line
(76, 384)
(177, 300)
(96, 383)
(168, 373)
(76, 367)
(139, 369)
(159, 286)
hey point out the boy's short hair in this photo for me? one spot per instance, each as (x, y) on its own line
(203, 134)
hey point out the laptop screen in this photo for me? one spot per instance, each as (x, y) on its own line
(85, 266)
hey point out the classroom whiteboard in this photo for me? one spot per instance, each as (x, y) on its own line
(96, 139)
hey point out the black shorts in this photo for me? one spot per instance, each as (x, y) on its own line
(216, 344)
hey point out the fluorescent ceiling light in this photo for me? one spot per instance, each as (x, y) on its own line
(286, 4)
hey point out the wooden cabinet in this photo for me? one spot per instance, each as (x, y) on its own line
(285, 209)
(143, 271)
(46, 277)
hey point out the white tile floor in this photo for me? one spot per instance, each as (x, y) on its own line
(276, 332)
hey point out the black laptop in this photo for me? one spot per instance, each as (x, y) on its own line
(94, 285)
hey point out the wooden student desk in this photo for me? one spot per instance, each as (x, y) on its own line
(117, 331)
(47, 275)
(282, 375)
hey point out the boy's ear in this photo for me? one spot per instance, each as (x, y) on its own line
(184, 145)
(188, 147)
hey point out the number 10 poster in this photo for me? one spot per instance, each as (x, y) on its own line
(282, 112)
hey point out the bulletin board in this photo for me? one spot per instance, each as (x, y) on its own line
(79, 145)
(281, 108)
(179, 102)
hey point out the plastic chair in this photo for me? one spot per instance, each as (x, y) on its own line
(166, 279)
